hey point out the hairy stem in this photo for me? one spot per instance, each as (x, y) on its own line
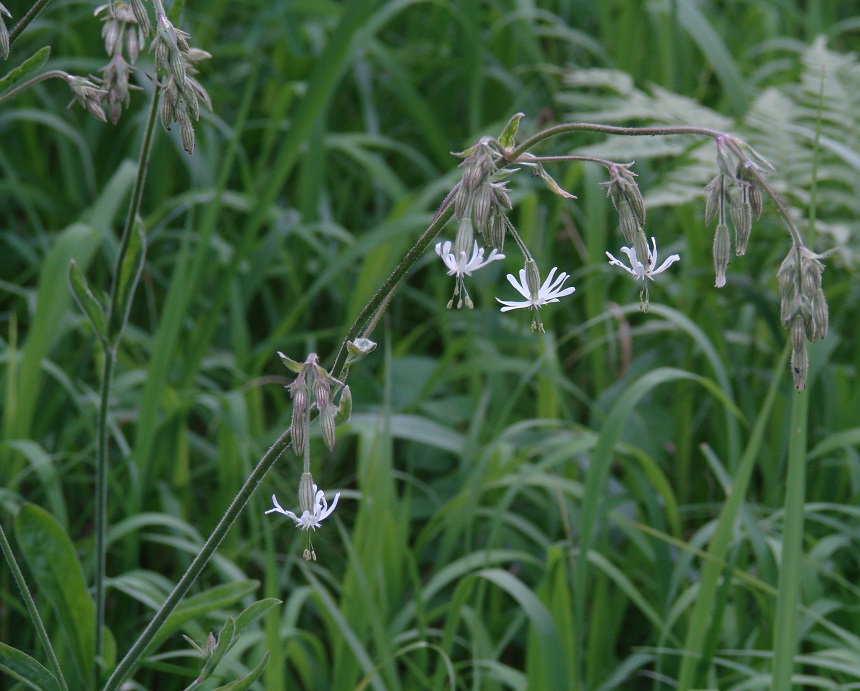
(32, 13)
(23, 86)
(113, 339)
(370, 312)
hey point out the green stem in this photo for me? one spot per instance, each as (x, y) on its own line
(23, 86)
(566, 128)
(788, 592)
(218, 534)
(101, 480)
(370, 312)
(31, 608)
(32, 13)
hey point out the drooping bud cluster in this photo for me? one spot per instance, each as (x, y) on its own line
(803, 307)
(736, 188)
(4, 32)
(312, 389)
(181, 94)
(87, 94)
(481, 201)
(622, 190)
(123, 32)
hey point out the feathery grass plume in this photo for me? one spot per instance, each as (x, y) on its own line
(4, 32)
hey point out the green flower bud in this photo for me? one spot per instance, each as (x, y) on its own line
(722, 250)
(799, 367)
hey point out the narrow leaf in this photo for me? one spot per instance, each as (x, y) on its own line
(209, 600)
(24, 668)
(25, 70)
(244, 682)
(59, 577)
(552, 184)
(506, 138)
(88, 302)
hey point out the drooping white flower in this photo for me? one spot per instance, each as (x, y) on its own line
(639, 270)
(464, 266)
(535, 294)
(550, 291)
(310, 518)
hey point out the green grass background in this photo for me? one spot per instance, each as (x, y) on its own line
(600, 507)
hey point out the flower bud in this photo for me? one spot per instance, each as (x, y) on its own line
(820, 313)
(798, 333)
(533, 279)
(464, 239)
(483, 207)
(358, 350)
(722, 249)
(496, 234)
(306, 493)
(327, 426)
(741, 218)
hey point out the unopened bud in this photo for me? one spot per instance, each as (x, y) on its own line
(820, 313)
(306, 492)
(327, 426)
(722, 250)
(358, 350)
(798, 333)
(483, 206)
(787, 275)
(714, 199)
(141, 16)
(464, 239)
(298, 423)
(496, 234)
(741, 219)
(533, 279)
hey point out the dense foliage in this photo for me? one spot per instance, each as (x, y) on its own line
(480, 456)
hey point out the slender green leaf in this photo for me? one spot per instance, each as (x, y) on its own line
(88, 302)
(202, 603)
(59, 578)
(244, 682)
(24, 668)
(25, 70)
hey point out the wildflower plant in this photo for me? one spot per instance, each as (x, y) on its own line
(478, 210)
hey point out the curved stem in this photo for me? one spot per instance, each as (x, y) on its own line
(568, 127)
(23, 86)
(32, 13)
(371, 310)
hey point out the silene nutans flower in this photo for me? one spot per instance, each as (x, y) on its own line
(641, 271)
(535, 294)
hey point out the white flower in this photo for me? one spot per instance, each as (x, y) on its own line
(310, 519)
(550, 291)
(639, 270)
(464, 266)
